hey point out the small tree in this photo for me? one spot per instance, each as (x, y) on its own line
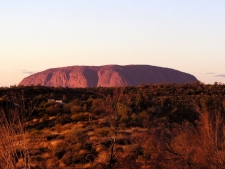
(113, 120)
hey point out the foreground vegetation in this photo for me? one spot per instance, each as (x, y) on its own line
(151, 126)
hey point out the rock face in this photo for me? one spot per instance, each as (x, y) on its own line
(106, 76)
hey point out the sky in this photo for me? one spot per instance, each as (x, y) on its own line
(186, 35)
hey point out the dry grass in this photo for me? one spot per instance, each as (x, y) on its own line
(14, 152)
(87, 144)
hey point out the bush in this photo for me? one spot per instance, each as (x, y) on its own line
(79, 158)
(52, 110)
(79, 117)
(51, 136)
(70, 158)
(79, 135)
(59, 153)
(87, 146)
(63, 120)
(67, 158)
(103, 132)
(75, 109)
(123, 141)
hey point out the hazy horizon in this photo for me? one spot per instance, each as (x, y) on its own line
(184, 35)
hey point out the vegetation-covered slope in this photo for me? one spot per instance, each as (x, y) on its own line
(151, 126)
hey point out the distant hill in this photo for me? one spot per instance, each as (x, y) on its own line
(107, 76)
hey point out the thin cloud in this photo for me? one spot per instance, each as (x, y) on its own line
(210, 73)
(221, 75)
(28, 72)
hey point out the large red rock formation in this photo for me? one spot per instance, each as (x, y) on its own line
(106, 76)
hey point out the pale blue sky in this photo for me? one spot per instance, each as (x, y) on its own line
(187, 35)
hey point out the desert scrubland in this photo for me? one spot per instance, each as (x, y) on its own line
(150, 126)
